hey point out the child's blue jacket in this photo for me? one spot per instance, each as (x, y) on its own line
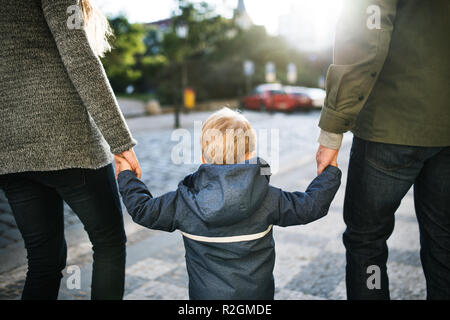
(226, 214)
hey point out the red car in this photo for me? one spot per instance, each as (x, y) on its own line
(307, 97)
(270, 97)
(303, 100)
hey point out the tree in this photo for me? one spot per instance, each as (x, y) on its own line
(185, 55)
(121, 64)
(211, 56)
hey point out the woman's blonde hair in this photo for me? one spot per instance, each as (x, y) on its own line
(227, 138)
(97, 28)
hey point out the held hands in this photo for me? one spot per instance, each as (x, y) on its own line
(324, 157)
(127, 161)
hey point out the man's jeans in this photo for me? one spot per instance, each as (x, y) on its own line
(379, 176)
(36, 199)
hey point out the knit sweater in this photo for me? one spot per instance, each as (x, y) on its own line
(57, 109)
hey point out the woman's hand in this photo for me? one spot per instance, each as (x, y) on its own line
(121, 165)
(127, 161)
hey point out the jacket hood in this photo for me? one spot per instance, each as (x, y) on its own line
(225, 194)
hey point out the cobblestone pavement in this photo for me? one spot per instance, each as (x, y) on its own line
(310, 260)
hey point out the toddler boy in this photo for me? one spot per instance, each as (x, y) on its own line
(226, 210)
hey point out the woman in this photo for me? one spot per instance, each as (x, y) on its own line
(59, 128)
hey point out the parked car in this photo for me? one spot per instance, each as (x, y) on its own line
(303, 100)
(270, 97)
(307, 97)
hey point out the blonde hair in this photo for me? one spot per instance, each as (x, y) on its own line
(227, 138)
(97, 28)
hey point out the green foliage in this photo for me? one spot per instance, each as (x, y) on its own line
(212, 55)
(120, 64)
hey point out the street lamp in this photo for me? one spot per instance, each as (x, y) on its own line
(292, 73)
(182, 32)
(249, 70)
(271, 75)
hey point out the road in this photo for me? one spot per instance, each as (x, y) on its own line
(310, 260)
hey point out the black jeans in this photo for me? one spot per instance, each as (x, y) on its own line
(379, 176)
(36, 199)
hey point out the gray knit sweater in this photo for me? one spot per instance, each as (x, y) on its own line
(57, 109)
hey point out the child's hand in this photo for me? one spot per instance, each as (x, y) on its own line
(121, 165)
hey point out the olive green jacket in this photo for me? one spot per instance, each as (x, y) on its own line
(389, 82)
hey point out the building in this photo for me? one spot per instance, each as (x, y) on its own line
(241, 17)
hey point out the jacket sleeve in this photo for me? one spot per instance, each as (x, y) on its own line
(87, 74)
(363, 36)
(295, 208)
(154, 213)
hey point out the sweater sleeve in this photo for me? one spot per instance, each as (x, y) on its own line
(295, 208)
(363, 36)
(87, 74)
(330, 140)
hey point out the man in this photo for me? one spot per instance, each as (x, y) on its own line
(389, 85)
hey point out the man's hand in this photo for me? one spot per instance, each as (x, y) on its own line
(130, 163)
(325, 157)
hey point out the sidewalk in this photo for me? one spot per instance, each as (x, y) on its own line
(310, 260)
